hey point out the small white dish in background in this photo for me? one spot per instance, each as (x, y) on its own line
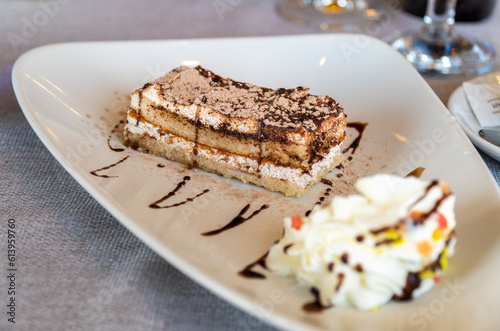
(459, 107)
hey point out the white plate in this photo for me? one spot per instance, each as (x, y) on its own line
(460, 108)
(74, 94)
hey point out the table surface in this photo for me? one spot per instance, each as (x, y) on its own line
(78, 267)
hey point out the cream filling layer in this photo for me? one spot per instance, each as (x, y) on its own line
(237, 162)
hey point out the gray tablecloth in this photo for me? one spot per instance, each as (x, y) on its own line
(77, 267)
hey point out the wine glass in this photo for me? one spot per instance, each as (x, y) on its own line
(438, 48)
(347, 15)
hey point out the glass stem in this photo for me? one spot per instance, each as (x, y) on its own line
(440, 19)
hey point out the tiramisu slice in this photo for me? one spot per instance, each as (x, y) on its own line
(285, 140)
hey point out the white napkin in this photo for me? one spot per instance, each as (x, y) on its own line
(483, 95)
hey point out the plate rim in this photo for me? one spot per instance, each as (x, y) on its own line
(207, 281)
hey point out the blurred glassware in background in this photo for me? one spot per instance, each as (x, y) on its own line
(438, 48)
(466, 10)
(344, 15)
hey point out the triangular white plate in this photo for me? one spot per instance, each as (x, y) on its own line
(74, 95)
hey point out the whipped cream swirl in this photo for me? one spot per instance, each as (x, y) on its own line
(389, 242)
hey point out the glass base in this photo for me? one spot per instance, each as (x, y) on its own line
(456, 56)
(353, 15)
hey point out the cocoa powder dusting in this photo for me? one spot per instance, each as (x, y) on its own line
(291, 108)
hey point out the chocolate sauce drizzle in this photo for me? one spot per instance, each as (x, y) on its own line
(417, 172)
(340, 282)
(399, 224)
(196, 133)
(327, 181)
(417, 218)
(117, 126)
(155, 205)
(315, 306)
(259, 139)
(139, 109)
(412, 283)
(360, 127)
(114, 149)
(420, 218)
(321, 199)
(108, 167)
(249, 273)
(286, 248)
(413, 280)
(324, 195)
(238, 220)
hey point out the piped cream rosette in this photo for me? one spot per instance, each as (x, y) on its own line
(389, 242)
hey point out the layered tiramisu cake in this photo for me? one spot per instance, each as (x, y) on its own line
(285, 140)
